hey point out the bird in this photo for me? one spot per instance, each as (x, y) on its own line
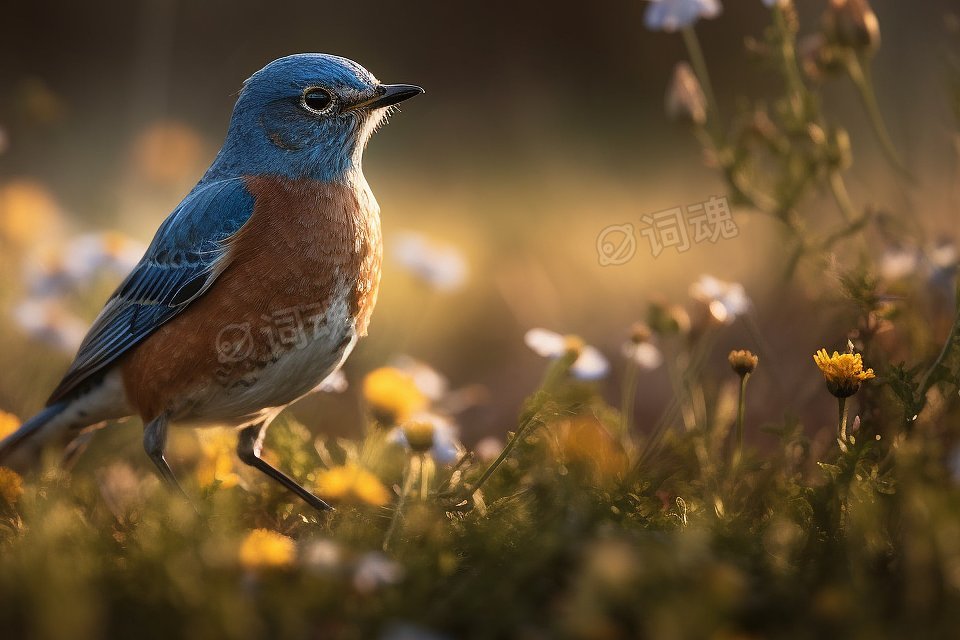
(254, 290)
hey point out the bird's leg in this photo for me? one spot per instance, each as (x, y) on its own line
(154, 442)
(249, 445)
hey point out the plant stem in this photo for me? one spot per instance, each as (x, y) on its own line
(741, 409)
(630, 381)
(401, 502)
(842, 426)
(699, 64)
(517, 437)
(927, 381)
(424, 477)
(862, 80)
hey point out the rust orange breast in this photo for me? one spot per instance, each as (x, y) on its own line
(305, 244)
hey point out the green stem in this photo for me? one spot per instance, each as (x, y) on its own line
(517, 438)
(927, 381)
(401, 502)
(842, 425)
(861, 76)
(628, 399)
(699, 64)
(424, 477)
(741, 409)
(839, 190)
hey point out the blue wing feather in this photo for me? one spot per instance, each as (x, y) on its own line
(183, 260)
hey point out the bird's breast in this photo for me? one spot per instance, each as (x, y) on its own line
(300, 286)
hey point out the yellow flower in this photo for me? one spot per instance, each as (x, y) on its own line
(11, 486)
(843, 372)
(419, 435)
(351, 483)
(392, 395)
(8, 424)
(27, 212)
(217, 448)
(263, 548)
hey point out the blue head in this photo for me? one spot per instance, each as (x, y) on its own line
(305, 116)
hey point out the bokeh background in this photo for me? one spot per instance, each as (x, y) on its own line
(541, 125)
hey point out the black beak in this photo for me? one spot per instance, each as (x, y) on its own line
(387, 95)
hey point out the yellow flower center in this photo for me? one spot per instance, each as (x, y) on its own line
(392, 395)
(351, 483)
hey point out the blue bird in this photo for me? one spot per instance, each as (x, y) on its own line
(258, 285)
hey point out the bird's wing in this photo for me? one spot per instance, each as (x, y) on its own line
(185, 257)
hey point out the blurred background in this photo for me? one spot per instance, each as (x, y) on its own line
(541, 126)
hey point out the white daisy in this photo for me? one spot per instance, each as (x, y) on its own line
(590, 365)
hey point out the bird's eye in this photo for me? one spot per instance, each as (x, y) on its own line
(317, 100)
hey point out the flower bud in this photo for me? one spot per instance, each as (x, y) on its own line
(852, 24)
(743, 362)
(419, 435)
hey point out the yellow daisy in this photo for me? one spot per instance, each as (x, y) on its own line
(351, 483)
(843, 372)
(392, 395)
(263, 548)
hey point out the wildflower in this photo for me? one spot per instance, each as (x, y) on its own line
(843, 372)
(898, 262)
(725, 300)
(585, 441)
(323, 556)
(440, 266)
(167, 153)
(374, 571)
(392, 395)
(48, 322)
(27, 212)
(430, 433)
(8, 424)
(217, 447)
(672, 15)
(351, 483)
(429, 381)
(111, 252)
(11, 486)
(640, 350)
(667, 319)
(742, 362)
(336, 382)
(853, 24)
(589, 364)
(265, 549)
(418, 434)
(685, 101)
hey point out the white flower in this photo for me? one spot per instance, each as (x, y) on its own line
(898, 262)
(446, 447)
(440, 266)
(672, 15)
(48, 322)
(77, 262)
(726, 300)
(590, 365)
(428, 380)
(322, 556)
(374, 571)
(336, 382)
(646, 355)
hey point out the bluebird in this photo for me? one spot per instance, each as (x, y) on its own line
(255, 289)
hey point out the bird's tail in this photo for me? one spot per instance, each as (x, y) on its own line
(22, 449)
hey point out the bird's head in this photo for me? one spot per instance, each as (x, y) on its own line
(308, 115)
